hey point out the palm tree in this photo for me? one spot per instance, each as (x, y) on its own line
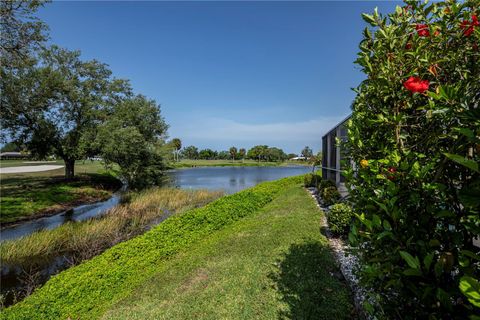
(242, 152)
(233, 152)
(177, 145)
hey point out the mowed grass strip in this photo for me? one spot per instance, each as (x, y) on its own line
(273, 265)
(88, 290)
(28, 195)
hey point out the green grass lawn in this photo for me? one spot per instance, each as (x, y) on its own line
(256, 254)
(273, 265)
(25, 195)
(231, 163)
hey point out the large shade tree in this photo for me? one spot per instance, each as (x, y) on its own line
(54, 106)
(133, 136)
(22, 35)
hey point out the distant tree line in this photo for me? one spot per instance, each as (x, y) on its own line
(258, 153)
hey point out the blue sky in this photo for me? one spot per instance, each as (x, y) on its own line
(227, 73)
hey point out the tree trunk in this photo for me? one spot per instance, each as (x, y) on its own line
(69, 168)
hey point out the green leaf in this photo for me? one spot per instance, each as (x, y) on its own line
(444, 213)
(463, 161)
(427, 261)
(412, 272)
(470, 288)
(376, 221)
(443, 297)
(382, 205)
(434, 243)
(470, 254)
(398, 10)
(412, 262)
(466, 132)
(386, 225)
(438, 268)
(385, 234)
(369, 19)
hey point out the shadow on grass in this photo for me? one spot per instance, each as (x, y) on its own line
(311, 285)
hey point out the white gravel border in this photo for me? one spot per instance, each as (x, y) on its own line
(347, 262)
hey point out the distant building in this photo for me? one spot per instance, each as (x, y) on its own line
(13, 155)
(299, 158)
(333, 156)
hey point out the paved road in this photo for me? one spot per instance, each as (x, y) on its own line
(25, 169)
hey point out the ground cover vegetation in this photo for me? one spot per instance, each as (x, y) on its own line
(414, 135)
(90, 289)
(55, 103)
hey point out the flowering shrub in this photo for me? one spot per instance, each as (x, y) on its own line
(415, 137)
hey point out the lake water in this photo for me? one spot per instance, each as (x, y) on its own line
(229, 179)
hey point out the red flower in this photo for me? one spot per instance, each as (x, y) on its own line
(468, 26)
(408, 46)
(391, 175)
(415, 84)
(422, 30)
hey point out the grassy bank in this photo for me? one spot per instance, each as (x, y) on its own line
(229, 163)
(279, 266)
(85, 239)
(29, 195)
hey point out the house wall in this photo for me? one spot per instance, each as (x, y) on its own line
(333, 155)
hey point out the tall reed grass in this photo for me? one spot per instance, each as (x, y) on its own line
(83, 240)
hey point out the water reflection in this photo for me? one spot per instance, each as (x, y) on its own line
(79, 213)
(230, 179)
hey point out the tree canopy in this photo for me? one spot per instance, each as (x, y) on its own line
(133, 137)
(53, 102)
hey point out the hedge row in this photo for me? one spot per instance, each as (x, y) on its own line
(89, 289)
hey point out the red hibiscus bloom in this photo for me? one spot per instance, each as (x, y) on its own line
(392, 169)
(415, 84)
(468, 26)
(391, 173)
(422, 30)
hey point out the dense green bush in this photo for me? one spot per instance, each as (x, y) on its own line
(324, 183)
(414, 135)
(340, 218)
(87, 290)
(311, 180)
(330, 195)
